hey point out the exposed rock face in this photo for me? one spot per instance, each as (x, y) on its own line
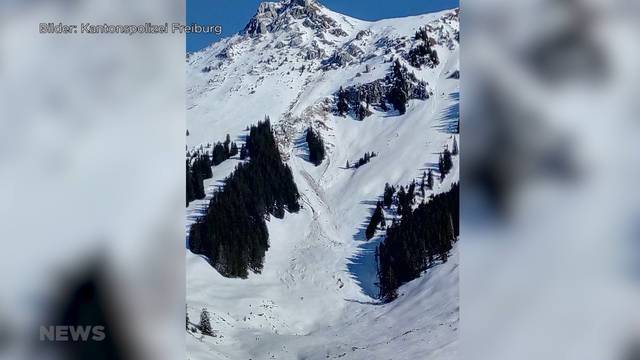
(362, 34)
(273, 16)
(338, 59)
(421, 50)
(381, 93)
(264, 18)
(314, 52)
(344, 56)
(371, 93)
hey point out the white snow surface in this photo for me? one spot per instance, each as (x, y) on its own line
(316, 297)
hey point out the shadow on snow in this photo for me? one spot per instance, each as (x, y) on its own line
(363, 266)
(450, 117)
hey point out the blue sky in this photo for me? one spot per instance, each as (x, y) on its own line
(233, 15)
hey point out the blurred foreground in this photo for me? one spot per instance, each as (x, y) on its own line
(550, 260)
(92, 182)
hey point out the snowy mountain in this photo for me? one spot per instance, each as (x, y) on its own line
(317, 294)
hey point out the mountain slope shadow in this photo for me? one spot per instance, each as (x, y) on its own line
(363, 265)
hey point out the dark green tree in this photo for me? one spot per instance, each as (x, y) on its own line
(205, 323)
(233, 151)
(244, 152)
(429, 183)
(376, 219)
(316, 147)
(388, 195)
(227, 146)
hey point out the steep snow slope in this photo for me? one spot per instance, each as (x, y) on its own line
(316, 297)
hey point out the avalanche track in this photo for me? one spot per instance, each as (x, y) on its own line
(316, 297)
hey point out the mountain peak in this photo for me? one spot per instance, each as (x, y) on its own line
(273, 16)
(302, 3)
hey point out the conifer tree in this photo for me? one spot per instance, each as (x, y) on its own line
(316, 147)
(190, 196)
(445, 163)
(388, 195)
(398, 95)
(398, 98)
(376, 219)
(205, 323)
(429, 183)
(244, 152)
(233, 151)
(454, 150)
(218, 154)
(411, 192)
(227, 149)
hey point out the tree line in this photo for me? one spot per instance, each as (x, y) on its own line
(419, 239)
(363, 160)
(445, 161)
(199, 165)
(198, 170)
(233, 234)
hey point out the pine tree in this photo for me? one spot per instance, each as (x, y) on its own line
(205, 323)
(429, 183)
(227, 149)
(454, 150)
(218, 154)
(190, 195)
(347, 164)
(397, 95)
(398, 98)
(244, 152)
(402, 195)
(388, 195)
(445, 163)
(376, 218)
(233, 151)
(411, 192)
(316, 147)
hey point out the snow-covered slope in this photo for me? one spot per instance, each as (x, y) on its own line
(316, 297)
